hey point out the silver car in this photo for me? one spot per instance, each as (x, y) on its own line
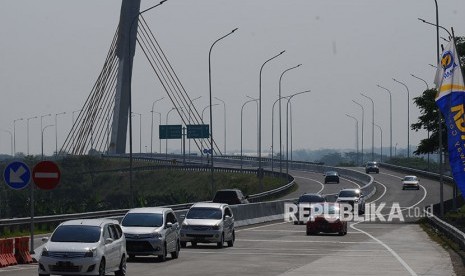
(208, 223)
(84, 247)
(151, 231)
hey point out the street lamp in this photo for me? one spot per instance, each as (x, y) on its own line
(427, 86)
(129, 61)
(242, 110)
(27, 123)
(151, 126)
(390, 117)
(14, 135)
(272, 135)
(257, 118)
(159, 123)
(280, 120)
(372, 127)
(42, 139)
(210, 96)
(11, 139)
(408, 116)
(395, 150)
(260, 179)
(56, 131)
(201, 141)
(140, 130)
(356, 133)
(381, 135)
(191, 104)
(363, 123)
(287, 126)
(224, 117)
(166, 140)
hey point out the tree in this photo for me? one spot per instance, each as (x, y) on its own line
(428, 119)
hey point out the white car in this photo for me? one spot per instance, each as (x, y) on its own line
(353, 197)
(84, 247)
(410, 182)
(208, 223)
(151, 231)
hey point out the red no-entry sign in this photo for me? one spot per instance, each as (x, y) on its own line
(46, 175)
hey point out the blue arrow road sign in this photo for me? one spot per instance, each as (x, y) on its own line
(17, 175)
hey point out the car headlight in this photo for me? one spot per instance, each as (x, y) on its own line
(90, 253)
(44, 252)
(156, 235)
(185, 226)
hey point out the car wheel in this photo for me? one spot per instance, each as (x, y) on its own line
(162, 257)
(183, 244)
(194, 244)
(122, 267)
(309, 233)
(221, 242)
(175, 254)
(231, 242)
(101, 268)
(296, 222)
(337, 182)
(44, 274)
(403, 188)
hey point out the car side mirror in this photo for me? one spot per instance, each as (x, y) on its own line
(246, 197)
(108, 240)
(183, 216)
(169, 225)
(45, 239)
(226, 216)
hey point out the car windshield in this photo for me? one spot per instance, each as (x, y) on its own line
(142, 220)
(76, 233)
(348, 194)
(204, 213)
(331, 209)
(311, 198)
(410, 178)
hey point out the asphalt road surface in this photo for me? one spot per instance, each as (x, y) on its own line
(281, 248)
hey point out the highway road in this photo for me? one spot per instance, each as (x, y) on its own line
(281, 248)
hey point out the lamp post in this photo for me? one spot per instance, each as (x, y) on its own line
(201, 141)
(14, 135)
(151, 125)
(356, 133)
(287, 126)
(372, 127)
(363, 123)
(191, 104)
(260, 179)
(224, 117)
(390, 118)
(211, 104)
(27, 123)
(159, 123)
(242, 111)
(441, 168)
(11, 139)
(408, 116)
(280, 120)
(42, 140)
(56, 131)
(395, 150)
(427, 86)
(381, 135)
(272, 135)
(257, 118)
(140, 130)
(129, 61)
(166, 140)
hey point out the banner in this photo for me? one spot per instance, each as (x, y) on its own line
(451, 99)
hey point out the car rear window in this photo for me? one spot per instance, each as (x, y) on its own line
(311, 199)
(222, 195)
(76, 233)
(348, 194)
(204, 213)
(142, 220)
(331, 173)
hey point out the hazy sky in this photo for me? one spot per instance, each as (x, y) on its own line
(52, 52)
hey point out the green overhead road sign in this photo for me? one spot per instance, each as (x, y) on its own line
(198, 131)
(170, 131)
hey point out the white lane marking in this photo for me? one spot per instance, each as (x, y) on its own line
(314, 180)
(353, 182)
(283, 254)
(404, 264)
(262, 226)
(303, 241)
(385, 190)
